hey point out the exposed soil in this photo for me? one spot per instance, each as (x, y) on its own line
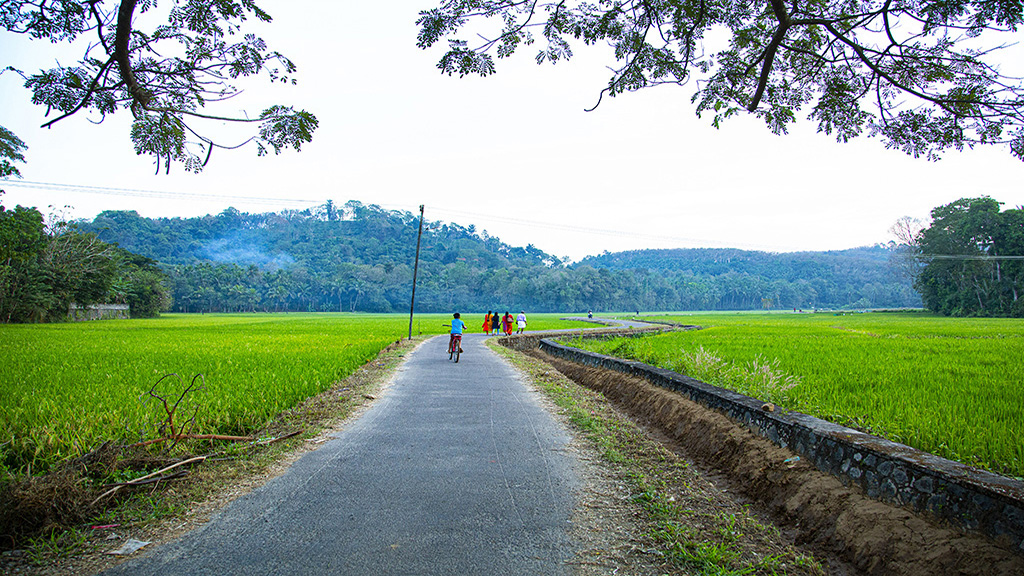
(816, 508)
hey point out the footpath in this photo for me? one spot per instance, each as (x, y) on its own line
(456, 469)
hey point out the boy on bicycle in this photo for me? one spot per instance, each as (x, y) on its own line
(458, 326)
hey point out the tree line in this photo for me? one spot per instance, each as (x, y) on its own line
(45, 269)
(969, 261)
(357, 257)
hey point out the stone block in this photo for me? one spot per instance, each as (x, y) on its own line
(885, 468)
(899, 476)
(925, 484)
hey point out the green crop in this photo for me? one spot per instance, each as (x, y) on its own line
(64, 388)
(953, 387)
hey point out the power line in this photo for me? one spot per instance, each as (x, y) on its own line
(602, 231)
(966, 257)
(520, 222)
(140, 193)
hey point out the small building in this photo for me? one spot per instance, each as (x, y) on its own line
(77, 313)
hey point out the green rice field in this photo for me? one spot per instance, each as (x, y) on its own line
(65, 388)
(951, 386)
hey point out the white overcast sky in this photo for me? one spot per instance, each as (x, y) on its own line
(514, 154)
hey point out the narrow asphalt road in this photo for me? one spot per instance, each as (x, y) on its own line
(456, 469)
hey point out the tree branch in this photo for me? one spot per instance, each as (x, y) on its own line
(121, 54)
(85, 99)
(769, 54)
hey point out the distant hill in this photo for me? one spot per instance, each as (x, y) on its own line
(353, 233)
(742, 279)
(359, 257)
(790, 266)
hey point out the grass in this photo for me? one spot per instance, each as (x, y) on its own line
(66, 388)
(58, 545)
(951, 387)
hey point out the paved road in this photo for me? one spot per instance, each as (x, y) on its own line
(612, 322)
(455, 470)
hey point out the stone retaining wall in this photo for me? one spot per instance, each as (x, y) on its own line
(885, 470)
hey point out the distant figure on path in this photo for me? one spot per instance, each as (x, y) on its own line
(487, 323)
(508, 323)
(495, 323)
(590, 313)
(521, 322)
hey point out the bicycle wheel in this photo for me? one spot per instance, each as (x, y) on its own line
(451, 349)
(456, 350)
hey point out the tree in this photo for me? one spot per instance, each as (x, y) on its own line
(80, 269)
(922, 76)
(165, 74)
(23, 290)
(11, 148)
(904, 258)
(22, 234)
(973, 255)
(140, 284)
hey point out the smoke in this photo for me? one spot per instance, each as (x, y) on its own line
(234, 249)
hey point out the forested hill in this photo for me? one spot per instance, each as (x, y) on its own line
(359, 257)
(854, 266)
(716, 261)
(327, 236)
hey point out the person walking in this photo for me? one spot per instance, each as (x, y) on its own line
(487, 323)
(521, 322)
(495, 323)
(508, 323)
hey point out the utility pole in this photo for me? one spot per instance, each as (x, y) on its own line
(415, 270)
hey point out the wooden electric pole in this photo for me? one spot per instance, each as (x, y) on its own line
(415, 270)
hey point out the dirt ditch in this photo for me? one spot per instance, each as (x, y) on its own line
(815, 507)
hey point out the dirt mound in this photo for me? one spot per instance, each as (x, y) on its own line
(876, 537)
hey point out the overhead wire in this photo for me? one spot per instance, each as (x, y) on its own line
(966, 257)
(601, 231)
(141, 193)
(443, 211)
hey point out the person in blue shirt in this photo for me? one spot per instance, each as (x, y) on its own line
(458, 326)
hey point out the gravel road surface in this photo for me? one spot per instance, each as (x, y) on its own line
(455, 469)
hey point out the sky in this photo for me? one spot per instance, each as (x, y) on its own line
(514, 154)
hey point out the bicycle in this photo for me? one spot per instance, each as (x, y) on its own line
(454, 346)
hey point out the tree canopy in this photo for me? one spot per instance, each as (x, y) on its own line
(165, 74)
(973, 257)
(922, 76)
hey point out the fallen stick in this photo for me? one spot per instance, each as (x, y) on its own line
(137, 480)
(149, 481)
(279, 438)
(193, 437)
